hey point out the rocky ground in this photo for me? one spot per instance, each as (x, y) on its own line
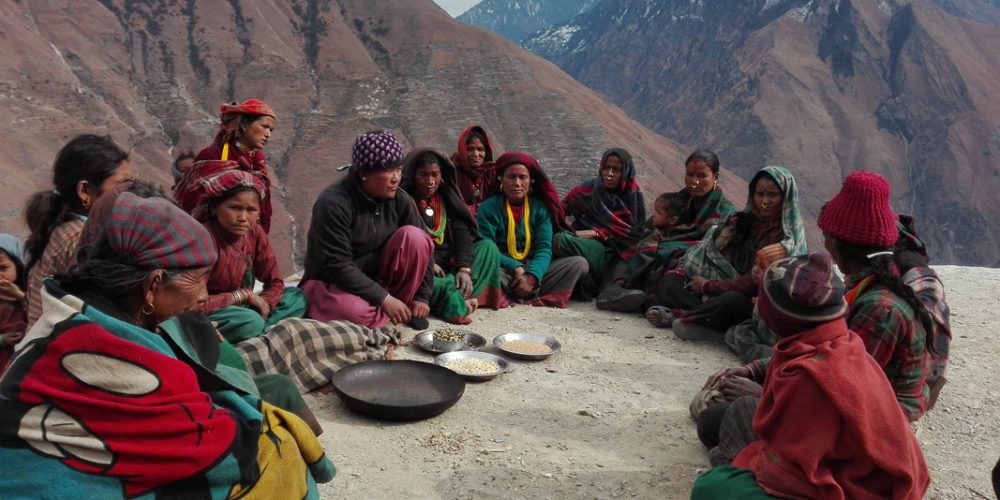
(607, 417)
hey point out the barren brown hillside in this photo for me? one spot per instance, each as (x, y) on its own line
(152, 75)
(905, 88)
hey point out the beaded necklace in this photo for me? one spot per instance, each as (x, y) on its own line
(852, 295)
(437, 212)
(512, 237)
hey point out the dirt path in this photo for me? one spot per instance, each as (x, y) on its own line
(607, 417)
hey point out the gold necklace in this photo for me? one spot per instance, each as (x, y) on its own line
(511, 232)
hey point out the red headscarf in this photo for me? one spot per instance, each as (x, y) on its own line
(541, 186)
(247, 107)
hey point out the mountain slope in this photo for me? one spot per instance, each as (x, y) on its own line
(152, 75)
(822, 86)
(516, 19)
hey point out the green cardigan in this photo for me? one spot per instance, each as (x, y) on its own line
(492, 220)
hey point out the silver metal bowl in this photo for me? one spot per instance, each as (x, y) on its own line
(442, 359)
(553, 344)
(472, 342)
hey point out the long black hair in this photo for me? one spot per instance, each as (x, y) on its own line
(886, 273)
(86, 157)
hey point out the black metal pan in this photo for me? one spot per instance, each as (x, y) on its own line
(398, 390)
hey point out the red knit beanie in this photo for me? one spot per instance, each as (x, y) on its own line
(860, 213)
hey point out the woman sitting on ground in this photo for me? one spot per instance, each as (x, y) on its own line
(860, 230)
(519, 220)
(244, 130)
(466, 275)
(636, 280)
(827, 425)
(474, 156)
(717, 285)
(85, 168)
(608, 215)
(118, 389)
(368, 258)
(229, 206)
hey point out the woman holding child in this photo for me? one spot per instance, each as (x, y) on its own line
(608, 217)
(679, 221)
(519, 219)
(716, 283)
(466, 274)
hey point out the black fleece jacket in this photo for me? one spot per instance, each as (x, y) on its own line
(347, 234)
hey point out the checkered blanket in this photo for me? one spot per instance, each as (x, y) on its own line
(310, 351)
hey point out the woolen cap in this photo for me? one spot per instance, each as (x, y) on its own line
(860, 213)
(376, 150)
(153, 233)
(800, 292)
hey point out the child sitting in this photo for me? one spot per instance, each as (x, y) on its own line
(656, 251)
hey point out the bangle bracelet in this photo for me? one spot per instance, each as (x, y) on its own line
(465, 270)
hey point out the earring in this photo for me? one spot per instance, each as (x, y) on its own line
(152, 309)
(86, 203)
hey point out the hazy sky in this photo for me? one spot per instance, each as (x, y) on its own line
(456, 7)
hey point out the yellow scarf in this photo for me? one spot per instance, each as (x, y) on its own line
(511, 233)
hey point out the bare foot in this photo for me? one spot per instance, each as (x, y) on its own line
(659, 316)
(471, 305)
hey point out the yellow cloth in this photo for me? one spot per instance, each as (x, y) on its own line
(287, 449)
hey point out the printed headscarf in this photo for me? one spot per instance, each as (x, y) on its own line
(206, 179)
(247, 107)
(619, 214)
(791, 219)
(448, 190)
(707, 261)
(211, 188)
(229, 118)
(152, 233)
(541, 187)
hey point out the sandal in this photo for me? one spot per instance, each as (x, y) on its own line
(659, 316)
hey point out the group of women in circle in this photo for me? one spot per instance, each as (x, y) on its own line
(405, 236)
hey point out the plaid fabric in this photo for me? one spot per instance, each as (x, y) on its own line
(707, 260)
(57, 257)
(895, 338)
(929, 289)
(736, 431)
(618, 216)
(660, 251)
(157, 234)
(210, 185)
(310, 351)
